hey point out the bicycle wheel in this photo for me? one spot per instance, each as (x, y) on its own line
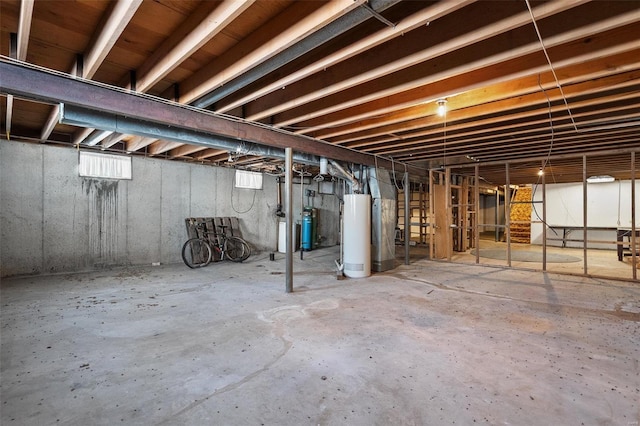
(247, 250)
(196, 253)
(236, 249)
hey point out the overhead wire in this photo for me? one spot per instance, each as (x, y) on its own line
(553, 71)
(547, 160)
(252, 201)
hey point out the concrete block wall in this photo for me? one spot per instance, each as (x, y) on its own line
(52, 220)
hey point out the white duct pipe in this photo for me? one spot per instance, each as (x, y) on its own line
(323, 165)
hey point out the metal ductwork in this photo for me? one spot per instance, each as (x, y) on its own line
(81, 117)
(383, 219)
(338, 171)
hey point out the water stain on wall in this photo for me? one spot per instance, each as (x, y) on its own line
(102, 197)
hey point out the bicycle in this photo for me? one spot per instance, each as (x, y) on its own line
(198, 252)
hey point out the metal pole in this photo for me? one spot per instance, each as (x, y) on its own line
(449, 209)
(544, 221)
(634, 257)
(584, 212)
(407, 217)
(288, 208)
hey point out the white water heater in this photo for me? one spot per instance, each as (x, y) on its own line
(356, 236)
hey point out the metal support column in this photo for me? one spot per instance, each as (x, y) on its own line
(544, 220)
(584, 213)
(288, 208)
(407, 217)
(634, 239)
(497, 215)
(449, 209)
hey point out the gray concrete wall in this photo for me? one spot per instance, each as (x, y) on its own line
(52, 220)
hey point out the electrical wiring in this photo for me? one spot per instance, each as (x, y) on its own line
(547, 160)
(250, 207)
(553, 71)
(393, 173)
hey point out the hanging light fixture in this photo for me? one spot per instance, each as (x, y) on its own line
(442, 107)
(600, 179)
(540, 172)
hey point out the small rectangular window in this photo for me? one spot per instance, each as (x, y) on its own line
(251, 180)
(92, 164)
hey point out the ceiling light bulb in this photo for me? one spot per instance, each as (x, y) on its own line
(442, 107)
(540, 172)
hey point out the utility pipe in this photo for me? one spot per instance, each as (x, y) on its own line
(339, 171)
(301, 210)
(279, 211)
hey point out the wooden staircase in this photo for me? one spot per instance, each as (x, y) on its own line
(520, 215)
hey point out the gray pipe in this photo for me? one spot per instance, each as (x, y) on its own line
(337, 170)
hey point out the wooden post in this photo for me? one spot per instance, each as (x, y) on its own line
(507, 212)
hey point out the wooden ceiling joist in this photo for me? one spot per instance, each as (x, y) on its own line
(109, 32)
(424, 86)
(346, 83)
(397, 55)
(424, 17)
(595, 76)
(256, 48)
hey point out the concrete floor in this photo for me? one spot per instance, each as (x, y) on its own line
(431, 343)
(600, 263)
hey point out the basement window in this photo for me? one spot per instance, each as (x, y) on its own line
(91, 164)
(250, 180)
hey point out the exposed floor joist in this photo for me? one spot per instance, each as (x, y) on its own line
(334, 71)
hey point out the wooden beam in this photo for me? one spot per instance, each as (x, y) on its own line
(460, 122)
(582, 78)
(109, 33)
(234, 63)
(399, 54)
(185, 150)
(190, 37)
(19, 51)
(160, 147)
(256, 48)
(104, 40)
(535, 146)
(416, 86)
(24, 28)
(210, 152)
(423, 17)
(138, 142)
